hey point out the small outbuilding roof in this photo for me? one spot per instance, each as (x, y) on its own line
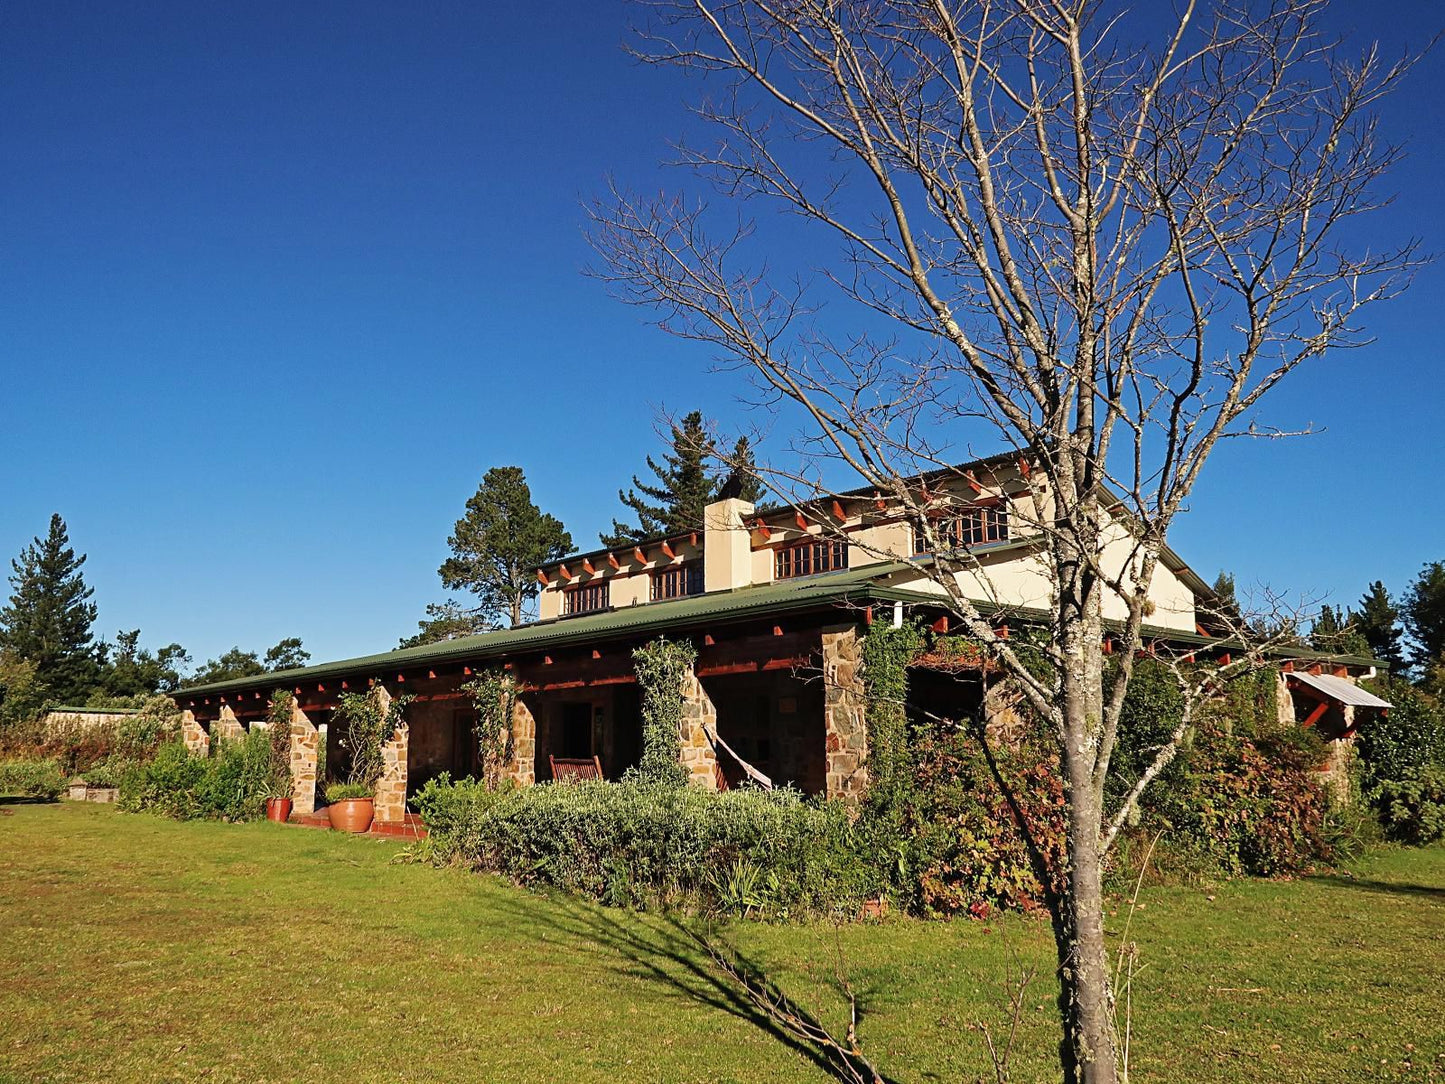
(1346, 692)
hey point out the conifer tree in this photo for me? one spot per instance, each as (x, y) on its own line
(742, 481)
(1379, 622)
(684, 487)
(1423, 611)
(49, 617)
(498, 544)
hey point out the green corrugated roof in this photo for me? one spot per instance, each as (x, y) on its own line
(829, 589)
(858, 585)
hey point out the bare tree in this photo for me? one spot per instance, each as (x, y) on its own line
(1052, 226)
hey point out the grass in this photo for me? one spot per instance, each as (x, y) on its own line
(139, 949)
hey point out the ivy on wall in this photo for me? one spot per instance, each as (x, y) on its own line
(278, 730)
(663, 667)
(494, 696)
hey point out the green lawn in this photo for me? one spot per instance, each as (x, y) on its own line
(138, 949)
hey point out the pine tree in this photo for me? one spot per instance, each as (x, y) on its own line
(1379, 623)
(498, 544)
(1338, 631)
(49, 618)
(1423, 611)
(742, 481)
(683, 489)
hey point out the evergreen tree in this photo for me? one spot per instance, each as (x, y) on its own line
(135, 671)
(288, 654)
(1338, 631)
(49, 618)
(498, 544)
(1423, 610)
(742, 481)
(1379, 623)
(448, 620)
(684, 487)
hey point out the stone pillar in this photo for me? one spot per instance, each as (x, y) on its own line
(523, 768)
(390, 794)
(698, 717)
(304, 741)
(1002, 721)
(198, 742)
(1283, 701)
(227, 727)
(845, 727)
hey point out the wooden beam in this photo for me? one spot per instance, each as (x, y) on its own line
(638, 555)
(1316, 715)
(968, 476)
(431, 674)
(668, 550)
(613, 561)
(802, 521)
(542, 578)
(941, 625)
(777, 630)
(587, 567)
(838, 512)
(1024, 468)
(764, 530)
(707, 639)
(693, 540)
(596, 654)
(565, 571)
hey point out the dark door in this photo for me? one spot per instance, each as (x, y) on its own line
(576, 731)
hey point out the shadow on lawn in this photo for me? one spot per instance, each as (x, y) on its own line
(694, 961)
(1397, 888)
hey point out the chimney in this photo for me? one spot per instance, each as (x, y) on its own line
(727, 548)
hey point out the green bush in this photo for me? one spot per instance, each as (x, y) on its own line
(340, 792)
(635, 843)
(232, 784)
(1396, 745)
(31, 779)
(1413, 808)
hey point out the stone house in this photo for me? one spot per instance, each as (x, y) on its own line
(776, 601)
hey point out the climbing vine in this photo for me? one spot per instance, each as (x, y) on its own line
(494, 695)
(887, 652)
(278, 730)
(368, 727)
(662, 668)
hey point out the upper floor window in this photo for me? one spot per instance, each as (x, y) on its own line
(976, 526)
(585, 599)
(677, 581)
(809, 556)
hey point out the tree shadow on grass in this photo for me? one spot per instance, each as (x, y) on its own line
(1395, 888)
(693, 960)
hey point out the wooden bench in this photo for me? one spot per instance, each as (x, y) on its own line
(565, 770)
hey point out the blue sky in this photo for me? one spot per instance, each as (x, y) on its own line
(279, 282)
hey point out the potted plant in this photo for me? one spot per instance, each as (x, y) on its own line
(370, 719)
(278, 800)
(349, 806)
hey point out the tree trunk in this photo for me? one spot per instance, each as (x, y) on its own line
(1086, 1009)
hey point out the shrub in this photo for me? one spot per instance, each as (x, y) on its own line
(232, 784)
(1396, 745)
(1413, 808)
(969, 851)
(31, 779)
(635, 843)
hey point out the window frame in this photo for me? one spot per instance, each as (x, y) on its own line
(688, 573)
(983, 523)
(825, 555)
(598, 588)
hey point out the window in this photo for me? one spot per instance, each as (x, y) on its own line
(810, 556)
(581, 600)
(677, 581)
(978, 526)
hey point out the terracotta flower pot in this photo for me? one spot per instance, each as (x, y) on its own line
(278, 809)
(350, 814)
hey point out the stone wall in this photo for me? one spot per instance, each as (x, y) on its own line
(304, 742)
(522, 768)
(197, 741)
(845, 729)
(390, 793)
(699, 716)
(227, 727)
(85, 720)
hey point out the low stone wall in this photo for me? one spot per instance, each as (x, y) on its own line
(84, 718)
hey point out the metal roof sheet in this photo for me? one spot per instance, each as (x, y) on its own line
(1346, 692)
